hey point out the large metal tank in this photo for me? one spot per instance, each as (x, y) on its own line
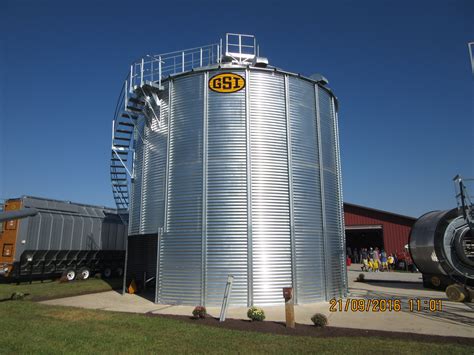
(238, 179)
(442, 247)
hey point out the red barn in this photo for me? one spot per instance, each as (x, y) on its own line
(367, 227)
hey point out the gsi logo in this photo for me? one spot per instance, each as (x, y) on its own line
(226, 83)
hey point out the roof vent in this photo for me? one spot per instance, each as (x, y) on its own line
(226, 59)
(260, 62)
(319, 78)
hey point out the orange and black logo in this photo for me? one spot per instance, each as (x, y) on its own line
(226, 83)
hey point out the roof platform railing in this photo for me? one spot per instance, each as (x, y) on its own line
(152, 69)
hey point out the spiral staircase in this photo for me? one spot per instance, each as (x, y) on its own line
(138, 104)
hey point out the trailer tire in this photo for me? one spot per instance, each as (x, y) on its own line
(456, 293)
(107, 272)
(119, 271)
(84, 273)
(435, 281)
(70, 274)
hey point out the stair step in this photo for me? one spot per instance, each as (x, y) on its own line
(114, 174)
(120, 152)
(136, 101)
(123, 139)
(123, 131)
(134, 109)
(121, 146)
(128, 124)
(117, 159)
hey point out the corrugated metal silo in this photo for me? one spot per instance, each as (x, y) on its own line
(236, 171)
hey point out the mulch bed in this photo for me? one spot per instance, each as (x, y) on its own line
(309, 330)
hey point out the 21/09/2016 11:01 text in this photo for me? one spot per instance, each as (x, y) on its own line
(385, 305)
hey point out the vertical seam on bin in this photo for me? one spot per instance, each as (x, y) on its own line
(140, 211)
(249, 194)
(167, 175)
(161, 228)
(124, 284)
(290, 190)
(144, 183)
(158, 238)
(170, 89)
(340, 196)
(204, 193)
(321, 180)
(132, 188)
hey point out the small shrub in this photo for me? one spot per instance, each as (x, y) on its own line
(199, 312)
(256, 314)
(319, 320)
(360, 278)
(17, 296)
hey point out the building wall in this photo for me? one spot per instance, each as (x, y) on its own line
(396, 228)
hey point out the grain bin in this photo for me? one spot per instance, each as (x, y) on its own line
(236, 171)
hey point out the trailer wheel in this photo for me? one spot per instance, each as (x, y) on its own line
(84, 273)
(435, 281)
(119, 271)
(107, 272)
(456, 293)
(70, 274)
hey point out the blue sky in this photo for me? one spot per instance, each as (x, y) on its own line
(400, 69)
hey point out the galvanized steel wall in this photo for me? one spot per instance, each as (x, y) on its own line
(226, 204)
(181, 255)
(153, 171)
(252, 189)
(308, 218)
(271, 244)
(137, 185)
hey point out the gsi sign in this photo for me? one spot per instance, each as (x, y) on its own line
(226, 83)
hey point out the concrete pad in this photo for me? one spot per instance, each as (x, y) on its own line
(455, 319)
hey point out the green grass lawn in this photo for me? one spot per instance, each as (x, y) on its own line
(29, 327)
(55, 289)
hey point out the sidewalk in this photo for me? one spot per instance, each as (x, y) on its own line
(455, 319)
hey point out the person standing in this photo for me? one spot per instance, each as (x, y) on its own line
(349, 252)
(365, 263)
(377, 254)
(391, 262)
(371, 253)
(383, 260)
(356, 256)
